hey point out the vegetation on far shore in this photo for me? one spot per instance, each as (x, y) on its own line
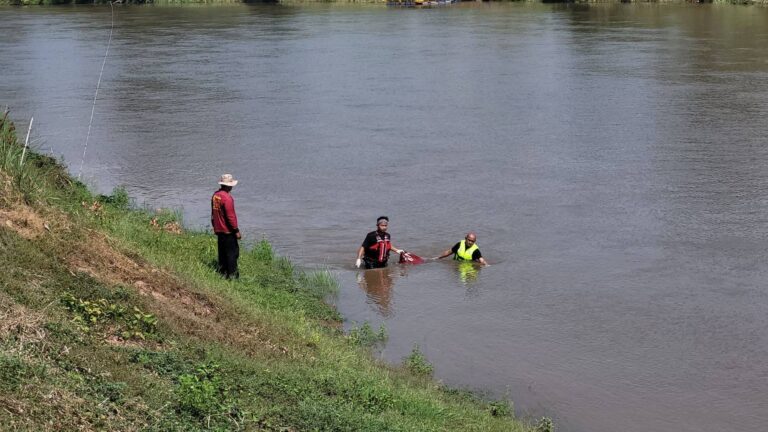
(114, 318)
(179, 2)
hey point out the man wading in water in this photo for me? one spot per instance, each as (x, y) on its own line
(374, 252)
(224, 222)
(465, 250)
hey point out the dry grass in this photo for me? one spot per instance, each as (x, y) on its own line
(30, 223)
(17, 216)
(19, 322)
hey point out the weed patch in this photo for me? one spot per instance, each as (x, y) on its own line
(262, 251)
(164, 363)
(366, 336)
(417, 363)
(130, 324)
(16, 371)
(204, 395)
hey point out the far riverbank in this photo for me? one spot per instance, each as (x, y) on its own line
(382, 2)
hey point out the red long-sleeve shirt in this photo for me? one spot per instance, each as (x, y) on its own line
(223, 215)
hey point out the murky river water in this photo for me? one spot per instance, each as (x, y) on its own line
(612, 160)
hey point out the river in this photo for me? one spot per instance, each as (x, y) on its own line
(611, 158)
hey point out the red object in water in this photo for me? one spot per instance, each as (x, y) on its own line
(409, 258)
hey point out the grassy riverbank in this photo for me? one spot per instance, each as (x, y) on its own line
(113, 318)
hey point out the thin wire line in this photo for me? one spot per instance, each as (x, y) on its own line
(98, 84)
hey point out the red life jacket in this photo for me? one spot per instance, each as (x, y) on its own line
(382, 246)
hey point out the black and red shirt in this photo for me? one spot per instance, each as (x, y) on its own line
(377, 245)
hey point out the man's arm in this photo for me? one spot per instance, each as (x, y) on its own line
(448, 252)
(478, 257)
(396, 250)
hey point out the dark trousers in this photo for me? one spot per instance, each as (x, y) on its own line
(229, 252)
(373, 264)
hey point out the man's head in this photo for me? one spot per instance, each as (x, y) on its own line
(382, 223)
(470, 238)
(227, 182)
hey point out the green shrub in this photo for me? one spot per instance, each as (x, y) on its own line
(417, 363)
(119, 198)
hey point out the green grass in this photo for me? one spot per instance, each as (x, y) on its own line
(113, 318)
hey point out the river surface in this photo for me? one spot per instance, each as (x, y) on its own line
(612, 159)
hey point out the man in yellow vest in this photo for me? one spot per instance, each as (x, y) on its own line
(465, 250)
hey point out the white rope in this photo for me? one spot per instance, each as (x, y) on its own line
(98, 84)
(26, 142)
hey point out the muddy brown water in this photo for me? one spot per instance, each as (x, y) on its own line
(612, 160)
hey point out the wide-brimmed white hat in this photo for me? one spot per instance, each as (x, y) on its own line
(227, 180)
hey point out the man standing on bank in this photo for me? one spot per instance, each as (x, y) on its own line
(465, 250)
(224, 222)
(374, 252)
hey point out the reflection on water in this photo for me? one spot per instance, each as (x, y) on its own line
(467, 272)
(378, 285)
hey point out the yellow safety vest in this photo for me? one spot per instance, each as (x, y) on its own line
(464, 254)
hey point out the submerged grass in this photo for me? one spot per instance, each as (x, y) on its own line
(114, 318)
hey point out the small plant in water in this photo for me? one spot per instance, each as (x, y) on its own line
(417, 363)
(365, 336)
(545, 424)
(500, 409)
